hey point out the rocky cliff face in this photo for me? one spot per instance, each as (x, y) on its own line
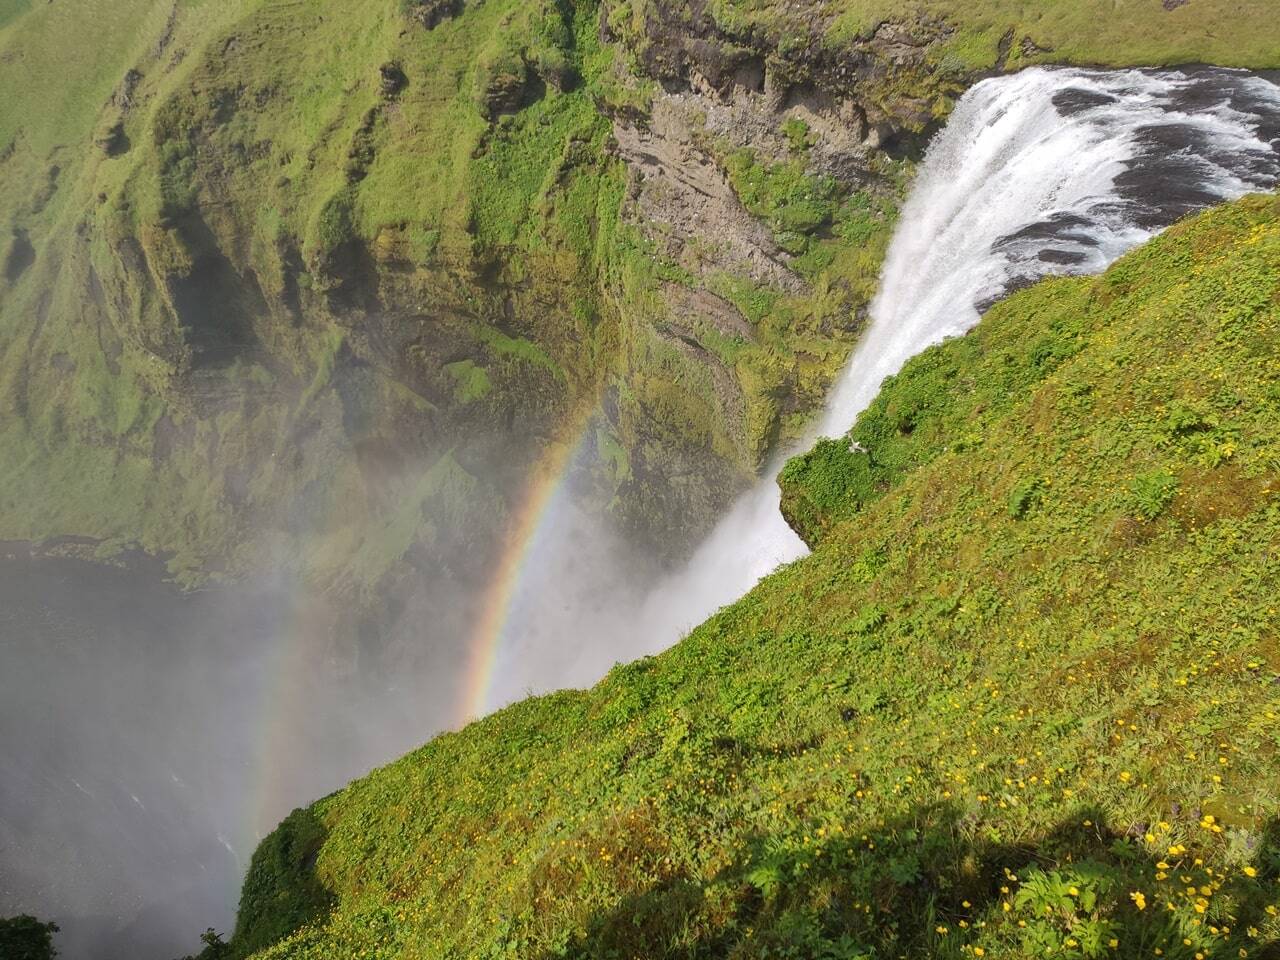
(343, 277)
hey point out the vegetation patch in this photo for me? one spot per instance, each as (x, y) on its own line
(793, 202)
(281, 890)
(471, 383)
(26, 938)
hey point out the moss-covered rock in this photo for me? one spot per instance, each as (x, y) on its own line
(824, 486)
(281, 891)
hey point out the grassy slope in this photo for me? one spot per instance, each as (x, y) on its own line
(79, 456)
(1111, 32)
(975, 721)
(1122, 32)
(58, 79)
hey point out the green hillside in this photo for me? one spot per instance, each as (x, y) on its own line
(1087, 32)
(1023, 698)
(345, 269)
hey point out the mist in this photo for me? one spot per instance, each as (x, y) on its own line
(152, 737)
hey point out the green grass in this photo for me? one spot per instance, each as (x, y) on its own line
(785, 196)
(958, 729)
(1095, 32)
(242, 139)
(10, 10)
(471, 382)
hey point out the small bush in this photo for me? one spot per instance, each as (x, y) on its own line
(1150, 493)
(783, 194)
(26, 938)
(1024, 496)
(797, 133)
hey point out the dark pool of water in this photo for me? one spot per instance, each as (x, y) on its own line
(148, 738)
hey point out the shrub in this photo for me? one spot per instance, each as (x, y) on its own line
(26, 938)
(1024, 496)
(797, 133)
(828, 483)
(1150, 493)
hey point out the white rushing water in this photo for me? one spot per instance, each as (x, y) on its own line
(1045, 171)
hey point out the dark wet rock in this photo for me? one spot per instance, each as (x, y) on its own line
(556, 72)
(1217, 88)
(1075, 100)
(1003, 50)
(111, 137)
(391, 79)
(211, 300)
(507, 90)
(431, 13)
(361, 153)
(21, 256)
(123, 97)
(1062, 226)
(1032, 49)
(1168, 181)
(1063, 258)
(113, 141)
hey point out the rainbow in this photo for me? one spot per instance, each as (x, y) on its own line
(540, 495)
(282, 682)
(283, 685)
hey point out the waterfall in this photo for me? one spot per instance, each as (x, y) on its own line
(1054, 171)
(1048, 171)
